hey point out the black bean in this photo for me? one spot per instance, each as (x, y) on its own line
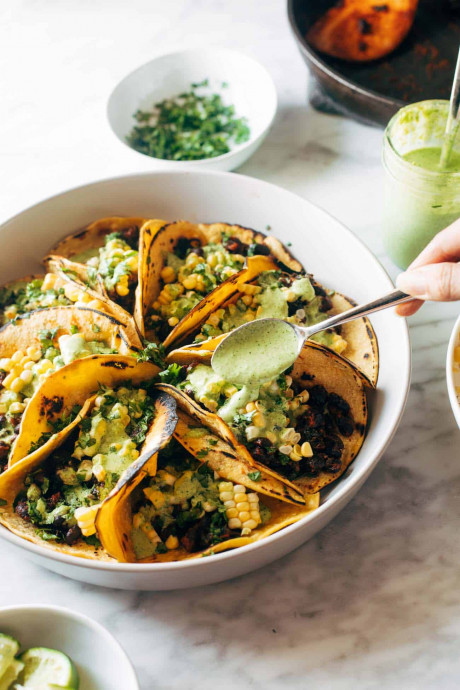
(72, 535)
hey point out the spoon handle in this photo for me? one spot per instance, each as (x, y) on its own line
(390, 300)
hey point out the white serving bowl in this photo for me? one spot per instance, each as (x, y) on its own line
(250, 89)
(453, 372)
(101, 662)
(330, 251)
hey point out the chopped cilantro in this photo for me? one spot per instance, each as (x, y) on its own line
(255, 476)
(161, 548)
(202, 453)
(172, 374)
(152, 353)
(3, 502)
(92, 540)
(73, 329)
(96, 328)
(189, 126)
(242, 420)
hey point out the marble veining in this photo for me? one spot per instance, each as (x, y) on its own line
(373, 601)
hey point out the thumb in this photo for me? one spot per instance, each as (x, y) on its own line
(438, 282)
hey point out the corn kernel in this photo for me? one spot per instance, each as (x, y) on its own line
(258, 420)
(34, 352)
(122, 290)
(231, 513)
(172, 542)
(17, 408)
(304, 396)
(226, 495)
(234, 523)
(285, 449)
(173, 321)
(20, 354)
(306, 450)
(247, 300)
(189, 283)
(137, 520)
(6, 364)
(71, 292)
(244, 515)
(249, 524)
(86, 518)
(17, 385)
(250, 407)
(48, 282)
(27, 376)
(168, 274)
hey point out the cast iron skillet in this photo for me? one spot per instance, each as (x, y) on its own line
(421, 68)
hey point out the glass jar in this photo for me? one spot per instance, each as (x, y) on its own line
(419, 201)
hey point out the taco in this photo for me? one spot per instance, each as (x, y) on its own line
(262, 290)
(103, 256)
(199, 496)
(53, 494)
(29, 294)
(307, 425)
(183, 262)
(34, 346)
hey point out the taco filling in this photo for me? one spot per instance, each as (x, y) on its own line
(41, 293)
(188, 505)
(192, 270)
(291, 297)
(62, 497)
(23, 372)
(116, 264)
(292, 430)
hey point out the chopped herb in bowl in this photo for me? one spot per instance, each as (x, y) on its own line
(188, 127)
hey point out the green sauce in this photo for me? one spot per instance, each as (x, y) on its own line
(257, 353)
(430, 158)
(421, 196)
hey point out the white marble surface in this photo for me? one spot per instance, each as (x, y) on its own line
(373, 601)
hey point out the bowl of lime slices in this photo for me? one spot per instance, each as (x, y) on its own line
(52, 648)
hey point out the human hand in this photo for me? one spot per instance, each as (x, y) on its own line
(435, 273)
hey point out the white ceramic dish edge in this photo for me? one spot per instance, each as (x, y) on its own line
(453, 342)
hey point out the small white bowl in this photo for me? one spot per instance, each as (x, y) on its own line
(250, 89)
(101, 662)
(453, 372)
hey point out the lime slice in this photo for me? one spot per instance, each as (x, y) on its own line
(11, 673)
(45, 668)
(9, 647)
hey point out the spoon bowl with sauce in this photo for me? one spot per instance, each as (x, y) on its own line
(261, 350)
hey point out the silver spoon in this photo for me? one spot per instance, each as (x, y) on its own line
(453, 118)
(262, 349)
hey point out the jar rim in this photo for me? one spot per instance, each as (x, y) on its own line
(417, 169)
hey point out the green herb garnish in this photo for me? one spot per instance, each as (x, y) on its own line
(188, 127)
(171, 375)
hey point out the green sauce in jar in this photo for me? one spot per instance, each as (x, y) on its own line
(421, 198)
